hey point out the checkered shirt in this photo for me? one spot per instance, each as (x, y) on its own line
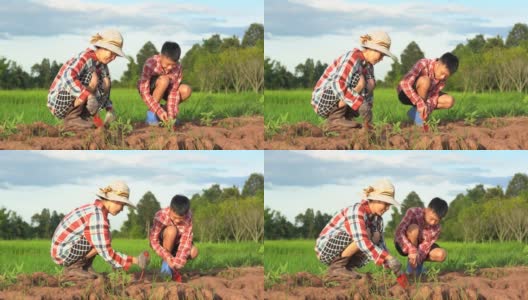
(354, 221)
(69, 78)
(91, 222)
(152, 67)
(185, 236)
(341, 77)
(426, 238)
(424, 67)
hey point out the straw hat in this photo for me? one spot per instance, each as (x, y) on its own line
(381, 190)
(116, 191)
(379, 41)
(109, 39)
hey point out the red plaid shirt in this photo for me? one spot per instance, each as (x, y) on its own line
(91, 222)
(185, 237)
(338, 77)
(151, 68)
(355, 220)
(68, 77)
(424, 67)
(426, 238)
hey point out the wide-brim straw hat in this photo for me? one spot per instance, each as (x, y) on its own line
(116, 191)
(379, 41)
(110, 39)
(382, 190)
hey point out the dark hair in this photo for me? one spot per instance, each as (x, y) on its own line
(171, 50)
(180, 205)
(439, 206)
(451, 62)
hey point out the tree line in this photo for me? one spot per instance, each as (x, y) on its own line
(492, 64)
(219, 214)
(480, 214)
(215, 65)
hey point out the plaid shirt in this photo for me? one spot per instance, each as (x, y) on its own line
(68, 77)
(354, 221)
(91, 222)
(339, 77)
(185, 236)
(424, 67)
(426, 238)
(151, 68)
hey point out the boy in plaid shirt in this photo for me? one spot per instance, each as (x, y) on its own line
(422, 87)
(171, 236)
(161, 79)
(82, 86)
(84, 233)
(345, 90)
(417, 233)
(354, 236)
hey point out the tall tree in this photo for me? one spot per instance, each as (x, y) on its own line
(517, 185)
(410, 55)
(253, 185)
(253, 34)
(412, 200)
(517, 35)
(144, 53)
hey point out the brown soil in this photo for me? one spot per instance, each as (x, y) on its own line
(492, 134)
(229, 134)
(496, 283)
(234, 283)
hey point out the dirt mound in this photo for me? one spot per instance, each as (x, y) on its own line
(228, 134)
(496, 283)
(491, 134)
(233, 283)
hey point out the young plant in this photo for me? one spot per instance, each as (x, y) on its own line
(9, 127)
(273, 277)
(471, 268)
(206, 118)
(433, 123)
(432, 273)
(471, 118)
(9, 277)
(272, 127)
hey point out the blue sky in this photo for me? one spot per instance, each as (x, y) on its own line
(64, 180)
(31, 30)
(325, 29)
(330, 180)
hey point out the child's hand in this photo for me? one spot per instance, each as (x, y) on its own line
(412, 259)
(162, 114)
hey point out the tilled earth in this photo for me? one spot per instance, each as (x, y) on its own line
(232, 283)
(490, 283)
(491, 134)
(244, 133)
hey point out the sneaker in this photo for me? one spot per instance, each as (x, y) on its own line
(410, 270)
(415, 116)
(152, 118)
(420, 270)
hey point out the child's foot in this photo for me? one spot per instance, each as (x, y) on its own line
(165, 269)
(152, 119)
(410, 270)
(420, 269)
(414, 115)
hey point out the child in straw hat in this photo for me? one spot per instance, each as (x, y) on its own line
(82, 86)
(171, 236)
(422, 87)
(85, 233)
(354, 236)
(161, 79)
(345, 90)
